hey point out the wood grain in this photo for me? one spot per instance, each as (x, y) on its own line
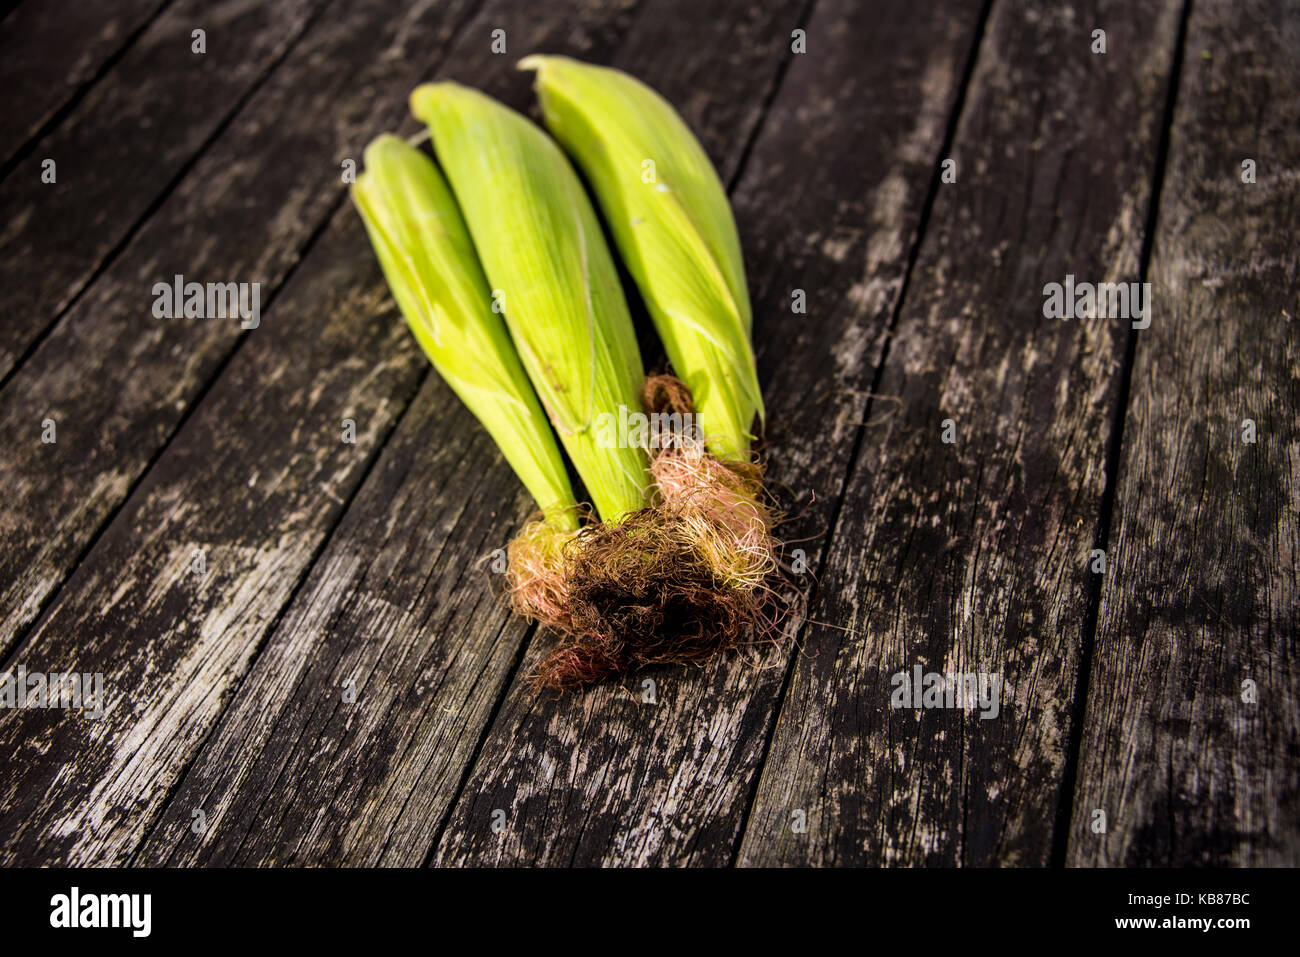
(337, 684)
(51, 53)
(829, 201)
(259, 475)
(399, 602)
(118, 150)
(116, 380)
(315, 781)
(972, 556)
(255, 493)
(1203, 592)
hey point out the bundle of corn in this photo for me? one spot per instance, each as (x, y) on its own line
(674, 563)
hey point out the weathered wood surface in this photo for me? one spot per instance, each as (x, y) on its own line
(120, 148)
(274, 176)
(274, 419)
(1203, 591)
(51, 53)
(371, 782)
(338, 683)
(253, 497)
(606, 777)
(972, 556)
(399, 603)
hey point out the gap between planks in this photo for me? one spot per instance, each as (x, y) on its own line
(1114, 450)
(456, 33)
(533, 633)
(110, 256)
(945, 149)
(300, 254)
(69, 103)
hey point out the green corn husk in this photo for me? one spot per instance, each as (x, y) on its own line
(425, 251)
(676, 233)
(542, 248)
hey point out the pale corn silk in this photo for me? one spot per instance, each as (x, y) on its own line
(701, 507)
(720, 512)
(538, 583)
(704, 504)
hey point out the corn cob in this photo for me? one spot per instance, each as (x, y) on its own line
(425, 251)
(674, 229)
(546, 258)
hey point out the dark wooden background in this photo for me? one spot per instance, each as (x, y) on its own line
(228, 737)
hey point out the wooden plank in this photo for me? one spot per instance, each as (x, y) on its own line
(255, 493)
(116, 380)
(399, 601)
(1203, 592)
(829, 200)
(51, 53)
(171, 647)
(973, 557)
(182, 645)
(119, 149)
(299, 773)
